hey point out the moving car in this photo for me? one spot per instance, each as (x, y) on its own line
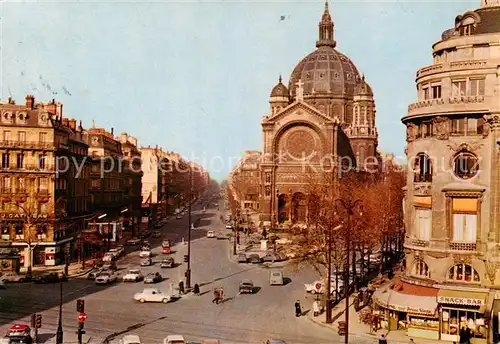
(165, 243)
(19, 333)
(146, 261)
(246, 287)
(108, 257)
(94, 273)
(151, 295)
(272, 257)
(153, 277)
(228, 226)
(105, 277)
(133, 275)
(174, 339)
(210, 234)
(115, 252)
(276, 277)
(12, 277)
(242, 258)
(53, 277)
(110, 266)
(254, 259)
(130, 339)
(166, 250)
(178, 217)
(222, 236)
(167, 263)
(145, 254)
(133, 242)
(156, 234)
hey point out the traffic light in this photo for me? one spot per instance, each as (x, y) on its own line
(186, 258)
(80, 306)
(38, 323)
(33, 320)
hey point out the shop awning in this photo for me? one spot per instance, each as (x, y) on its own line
(415, 304)
(462, 298)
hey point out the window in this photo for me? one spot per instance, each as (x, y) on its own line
(43, 208)
(43, 137)
(464, 228)
(464, 273)
(426, 92)
(41, 161)
(465, 165)
(466, 30)
(6, 184)
(41, 231)
(459, 88)
(475, 126)
(5, 160)
(455, 319)
(421, 269)
(426, 129)
(423, 169)
(423, 224)
(21, 136)
(477, 87)
(436, 91)
(20, 160)
(458, 126)
(19, 230)
(43, 184)
(21, 186)
(6, 135)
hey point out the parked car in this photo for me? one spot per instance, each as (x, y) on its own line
(242, 258)
(146, 261)
(19, 333)
(254, 259)
(166, 250)
(228, 226)
(276, 341)
(156, 234)
(133, 275)
(110, 266)
(115, 252)
(51, 278)
(145, 254)
(174, 339)
(167, 263)
(130, 339)
(106, 277)
(133, 242)
(153, 277)
(246, 287)
(272, 257)
(178, 217)
(151, 295)
(12, 277)
(94, 273)
(108, 257)
(210, 234)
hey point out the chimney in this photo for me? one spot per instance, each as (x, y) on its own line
(72, 124)
(30, 101)
(112, 131)
(123, 137)
(65, 122)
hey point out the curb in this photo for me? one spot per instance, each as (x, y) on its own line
(81, 273)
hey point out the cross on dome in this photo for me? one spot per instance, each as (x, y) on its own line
(300, 90)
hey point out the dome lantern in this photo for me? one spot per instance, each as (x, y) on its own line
(326, 30)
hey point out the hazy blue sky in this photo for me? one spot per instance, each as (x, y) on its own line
(195, 77)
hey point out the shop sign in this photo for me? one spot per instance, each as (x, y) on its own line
(15, 216)
(460, 301)
(407, 309)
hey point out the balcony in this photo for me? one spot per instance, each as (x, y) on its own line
(451, 66)
(416, 242)
(447, 105)
(462, 246)
(17, 144)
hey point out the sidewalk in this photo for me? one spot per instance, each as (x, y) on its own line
(74, 269)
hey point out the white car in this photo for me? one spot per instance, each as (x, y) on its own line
(174, 339)
(151, 295)
(115, 252)
(145, 254)
(210, 234)
(311, 287)
(133, 275)
(105, 277)
(108, 257)
(130, 339)
(229, 227)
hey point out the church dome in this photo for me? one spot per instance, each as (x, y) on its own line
(279, 90)
(325, 70)
(362, 88)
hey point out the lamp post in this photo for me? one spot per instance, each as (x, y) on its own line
(188, 271)
(59, 333)
(277, 207)
(235, 223)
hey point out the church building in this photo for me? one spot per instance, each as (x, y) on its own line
(323, 119)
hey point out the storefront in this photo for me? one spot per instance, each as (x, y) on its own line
(412, 308)
(463, 309)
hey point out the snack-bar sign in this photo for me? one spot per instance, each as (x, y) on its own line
(460, 301)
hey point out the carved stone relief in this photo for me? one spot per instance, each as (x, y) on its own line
(486, 127)
(288, 178)
(437, 255)
(268, 190)
(491, 270)
(411, 132)
(422, 190)
(459, 259)
(441, 128)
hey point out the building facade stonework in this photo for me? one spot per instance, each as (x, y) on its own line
(325, 115)
(452, 203)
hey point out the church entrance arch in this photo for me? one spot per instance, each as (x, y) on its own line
(299, 207)
(283, 208)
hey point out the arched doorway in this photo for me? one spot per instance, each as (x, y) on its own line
(282, 208)
(299, 207)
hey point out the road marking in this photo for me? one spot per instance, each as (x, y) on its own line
(78, 290)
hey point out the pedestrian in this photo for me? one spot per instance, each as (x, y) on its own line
(181, 287)
(298, 309)
(411, 341)
(468, 335)
(216, 296)
(196, 289)
(382, 339)
(221, 294)
(315, 308)
(461, 336)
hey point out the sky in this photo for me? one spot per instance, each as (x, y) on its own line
(195, 76)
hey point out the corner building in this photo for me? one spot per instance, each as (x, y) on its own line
(452, 204)
(327, 113)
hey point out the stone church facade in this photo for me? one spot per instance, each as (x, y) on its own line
(324, 117)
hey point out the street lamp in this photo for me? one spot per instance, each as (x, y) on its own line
(234, 232)
(277, 207)
(188, 271)
(59, 333)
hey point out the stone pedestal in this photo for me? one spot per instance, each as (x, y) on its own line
(263, 245)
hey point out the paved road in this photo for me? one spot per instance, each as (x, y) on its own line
(111, 310)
